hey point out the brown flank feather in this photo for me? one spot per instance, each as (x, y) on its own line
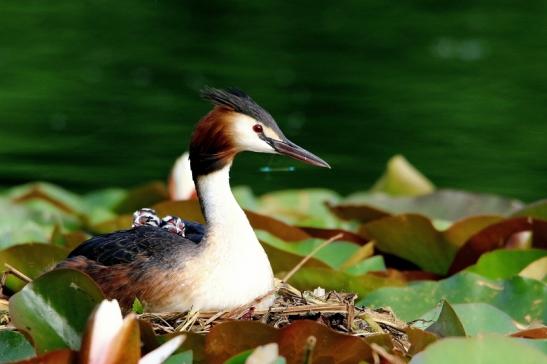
(125, 282)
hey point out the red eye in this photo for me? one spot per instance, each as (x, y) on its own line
(257, 128)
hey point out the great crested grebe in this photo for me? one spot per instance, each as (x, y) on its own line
(214, 267)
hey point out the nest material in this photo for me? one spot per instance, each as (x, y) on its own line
(334, 309)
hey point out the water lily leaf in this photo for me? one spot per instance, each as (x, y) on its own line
(402, 179)
(330, 346)
(447, 323)
(409, 303)
(14, 346)
(535, 333)
(480, 349)
(537, 210)
(312, 277)
(450, 205)
(540, 345)
(180, 358)
(245, 197)
(41, 309)
(478, 318)
(186, 209)
(504, 263)
(276, 227)
(372, 264)
(414, 238)
(64, 356)
(30, 259)
(264, 354)
(143, 196)
(301, 207)
(494, 237)
(419, 339)
(333, 254)
(55, 195)
(106, 199)
(119, 223)
(230, 338)
(361, 254)
(283, 261)
(536, 270)
(325, 234)
(28, 231)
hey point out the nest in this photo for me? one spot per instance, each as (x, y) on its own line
(336, 310)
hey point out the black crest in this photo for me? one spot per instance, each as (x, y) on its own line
(239, 101)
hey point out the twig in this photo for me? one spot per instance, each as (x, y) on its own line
(309, 256)
(18, 273)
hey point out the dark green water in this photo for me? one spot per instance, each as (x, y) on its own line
(102, 93)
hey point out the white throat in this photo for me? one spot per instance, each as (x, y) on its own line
(233, 267)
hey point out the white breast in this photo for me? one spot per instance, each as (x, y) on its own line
(233, 268)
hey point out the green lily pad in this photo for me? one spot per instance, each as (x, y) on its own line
(372, 264)
(55, 195)
(14, 346)
(180, 358)
(301, 207)
(414, 238)
(449, 205)
(480, 349)
(54, 308)
(536, 210)
(311, 277)
(505, 263)
(536, 270)
(447, 323)
(142, 196)
(333, 254)
(411, 302)
(495, 237)
(30, 259)
(402, 179)
(479, 318)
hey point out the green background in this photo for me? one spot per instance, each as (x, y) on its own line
(102, 93)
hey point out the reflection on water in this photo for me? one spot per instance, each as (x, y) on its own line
(95, 94)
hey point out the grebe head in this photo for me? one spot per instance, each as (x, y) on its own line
(236, 124)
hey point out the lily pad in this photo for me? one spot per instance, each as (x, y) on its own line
(333, 254)
(228, 339)
(414, 238)
(30, 259)
(450, 205)
(536, 210)
(480, 349)
(495, 236)
(310, 278)
(505, 263)
(301, 207)
(478, 318)
(447, 323)
(14, 346)
(411, 302)
(402, 179)
(54, 309)
(142, 196)
(536, 270)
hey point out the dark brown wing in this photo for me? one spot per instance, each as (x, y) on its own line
(135, 263)
(124, 246)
